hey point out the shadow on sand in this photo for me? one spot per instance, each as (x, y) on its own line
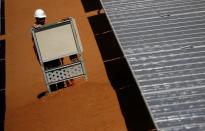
(2, 18)
(90, 5)
(53, 88)
(2, 84)
(2, 68)
(132, 105)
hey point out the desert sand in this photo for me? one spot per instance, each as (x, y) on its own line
(86, 106)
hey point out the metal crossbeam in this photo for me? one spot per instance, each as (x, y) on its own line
(64, 73)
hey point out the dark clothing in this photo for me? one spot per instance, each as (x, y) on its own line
(73, 58)
(52, 64)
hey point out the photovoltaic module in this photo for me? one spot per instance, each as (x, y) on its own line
(163, 42)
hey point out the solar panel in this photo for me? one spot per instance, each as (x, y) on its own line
(163, 42)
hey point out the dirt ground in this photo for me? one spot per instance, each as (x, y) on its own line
(88, 105)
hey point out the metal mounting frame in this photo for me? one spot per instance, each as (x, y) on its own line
(62, 72)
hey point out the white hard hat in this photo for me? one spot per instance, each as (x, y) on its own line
(39, 13)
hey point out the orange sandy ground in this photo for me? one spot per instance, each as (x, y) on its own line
(86, 106)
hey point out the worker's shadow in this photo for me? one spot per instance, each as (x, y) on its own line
(132, 105)
(2, 84)
(53, 88)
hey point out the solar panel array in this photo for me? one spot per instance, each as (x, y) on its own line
(164, 44)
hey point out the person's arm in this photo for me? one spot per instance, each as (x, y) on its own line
(37, 25)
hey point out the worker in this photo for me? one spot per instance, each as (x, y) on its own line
(40, 17)
(40, 20)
